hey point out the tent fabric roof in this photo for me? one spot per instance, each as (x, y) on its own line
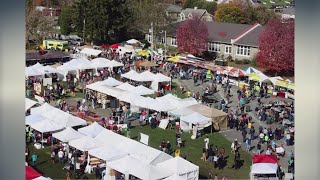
(148, 64)
(58, 116)
(111, 82)
(100, 62)
(126, 87)
(33, 119)
(67, 135)
(132, 41)
(206, 110)
(76, 64)
(142, 90)
(264, 168)
(114, 63)
(129, 74)
(84, 144)
(90, 52)
(195, 118)
(30, 71)
(31, 173)
(162, 78)
(179, 165)
(30, 103)
(131, 165)
(107, 153)
(47, 126)
(42, 178)
(92, 130)
(264, 158)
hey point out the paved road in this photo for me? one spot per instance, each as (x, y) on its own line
(232, 134)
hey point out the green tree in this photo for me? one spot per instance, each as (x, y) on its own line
(66, 20)
(230, 13)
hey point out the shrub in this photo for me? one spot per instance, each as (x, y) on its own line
(237, 61)
(246, 61)
(229, 58)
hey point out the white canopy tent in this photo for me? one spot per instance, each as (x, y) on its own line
(130, 165)
(133, 41)
(195, 118)
(107, 153)
(182, 168)
(146, 76)
(57, 115)
(90, 52)
(126, 87)
(99, 63)
(33, 119)
(85, 143)
(142, 90)
(161, 78)
(47, 126)
(30, 71)
(129, 74)
(30, 103)
(92, 130)
(76, 64)
(114, 63)
(264, 168)
(130, 97)
(67, 135)
(175, 177)
(110, 81)
(42, 178)
(181, 112)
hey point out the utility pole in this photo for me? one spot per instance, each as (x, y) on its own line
(165, 44)
(152, 36)
(84, 28)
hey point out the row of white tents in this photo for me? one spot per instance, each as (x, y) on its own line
(71, 66)
(120, 153)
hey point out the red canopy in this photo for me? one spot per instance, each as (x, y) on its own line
(114, 46)
(31, 173)
(235, 72)
(103, 46)
(263, 158)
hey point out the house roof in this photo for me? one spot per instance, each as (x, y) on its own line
(252, 38)
(194, 12)
(224, 32)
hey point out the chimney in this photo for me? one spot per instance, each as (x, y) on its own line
(195, 8)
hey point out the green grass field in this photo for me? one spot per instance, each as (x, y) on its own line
(193, 151)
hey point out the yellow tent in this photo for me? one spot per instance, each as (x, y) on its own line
(174, 59)
(254, 77)
(282, 83)
(143, 53)
(291, 86)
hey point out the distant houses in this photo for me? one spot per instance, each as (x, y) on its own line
(240, 41)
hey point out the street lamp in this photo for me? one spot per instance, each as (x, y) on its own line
(165, 42)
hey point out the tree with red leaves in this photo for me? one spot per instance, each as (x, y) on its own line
(277, 47)
(192, 36)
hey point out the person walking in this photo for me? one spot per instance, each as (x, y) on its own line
(204, 153)
(248, 144)
(244, 134)
(60, 156)
(210, 154)
(237, 160)
(259, 148)
(34, 159)
(206, 141)
(52, 155)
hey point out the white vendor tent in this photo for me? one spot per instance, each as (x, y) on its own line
(42, 178)
(47, 126)
(126, 87)
(146, 76)
(114, 63)
(130, 97)
(30, 103)
(130, 165)
(76, 64)
(100, 63)
(181, 167)
(57, 115)
(30, 71)
(33, 119)
(130, 74)
(90, 52)
(181, 112)
(161, 78)
(195, 118)
(175, 177)
(132, 41)
(142, 90)
(110, 81)
(264, 168)
(84, 144)
(107, 153)
(92, 130)
(67, 135)
(111, 91)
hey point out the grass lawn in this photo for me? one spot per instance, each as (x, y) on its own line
(45, 167)
(193, 151)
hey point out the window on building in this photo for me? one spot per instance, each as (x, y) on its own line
(173, 41)
(163, 40)
(214, 47)
(243, 50)
(182, 16)
(228, 49)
